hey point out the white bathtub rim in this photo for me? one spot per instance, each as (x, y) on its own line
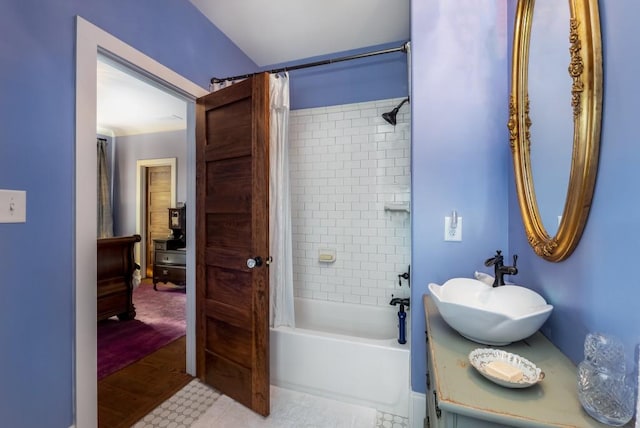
(383, 343)
(350, 319)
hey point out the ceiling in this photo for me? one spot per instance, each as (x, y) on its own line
(267, 32)
(129, 104)
(286, 30)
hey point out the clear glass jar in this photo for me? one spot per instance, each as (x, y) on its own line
(602, 388)
(606, 352)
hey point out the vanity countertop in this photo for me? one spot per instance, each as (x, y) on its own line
(460, 389)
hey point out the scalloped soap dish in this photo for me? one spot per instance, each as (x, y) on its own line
(504, 368)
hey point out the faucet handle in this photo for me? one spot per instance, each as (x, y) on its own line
(515, 260)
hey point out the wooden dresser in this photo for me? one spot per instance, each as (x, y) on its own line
(168, 265)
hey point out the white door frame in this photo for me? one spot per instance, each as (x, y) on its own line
(141, 206)
(89, 41)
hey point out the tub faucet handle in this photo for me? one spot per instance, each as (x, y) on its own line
(406, 275)
(401, 277)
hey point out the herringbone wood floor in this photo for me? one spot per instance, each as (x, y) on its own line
(129, 394)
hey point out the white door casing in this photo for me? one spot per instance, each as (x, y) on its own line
(90, 40)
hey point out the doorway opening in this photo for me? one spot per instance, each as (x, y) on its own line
(90, 41)
(155, 193)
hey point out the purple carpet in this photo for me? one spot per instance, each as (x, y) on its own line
(160, 319)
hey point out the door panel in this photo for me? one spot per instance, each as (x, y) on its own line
(229, 230)
(230, 185)
(225, 285)
(232, 225)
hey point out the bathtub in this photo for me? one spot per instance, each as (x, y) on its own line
(345, 352)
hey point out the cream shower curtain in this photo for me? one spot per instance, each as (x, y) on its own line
(280, 240)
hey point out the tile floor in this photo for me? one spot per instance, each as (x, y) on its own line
(387, 420)
(182, 409)
(188, 404)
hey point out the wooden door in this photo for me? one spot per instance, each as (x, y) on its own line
(158, 179)
(232, 227)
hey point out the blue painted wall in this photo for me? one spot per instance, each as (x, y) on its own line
(37, 115)
(460, 146)
(129, 150)
(596, 289)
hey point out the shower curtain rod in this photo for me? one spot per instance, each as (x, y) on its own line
(402, 48)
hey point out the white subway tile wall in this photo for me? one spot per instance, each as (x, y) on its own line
(346, 163)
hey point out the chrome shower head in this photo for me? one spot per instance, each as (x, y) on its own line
(390, 116)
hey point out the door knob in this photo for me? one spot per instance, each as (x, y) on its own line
(254, 262)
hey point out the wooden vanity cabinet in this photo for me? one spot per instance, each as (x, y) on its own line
(460, 397)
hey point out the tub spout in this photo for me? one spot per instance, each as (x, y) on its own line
(402, 302)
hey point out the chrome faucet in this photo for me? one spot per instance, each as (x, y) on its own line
(500, 269)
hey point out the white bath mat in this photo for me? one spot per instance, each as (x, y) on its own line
(289, 409)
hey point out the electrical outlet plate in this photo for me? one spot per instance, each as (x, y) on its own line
(13, 206)
(452, 233)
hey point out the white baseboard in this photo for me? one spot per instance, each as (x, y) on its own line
(417, 409)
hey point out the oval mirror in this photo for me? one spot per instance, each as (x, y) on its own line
(544, 140)
(547, 78)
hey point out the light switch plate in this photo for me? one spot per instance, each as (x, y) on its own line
(13, 206)
(452, 233)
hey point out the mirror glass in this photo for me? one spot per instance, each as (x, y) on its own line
(550, 109)
(555, 112)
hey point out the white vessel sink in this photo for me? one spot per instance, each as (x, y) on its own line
(488, 315)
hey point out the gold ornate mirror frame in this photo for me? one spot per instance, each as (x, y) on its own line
(585, 69)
